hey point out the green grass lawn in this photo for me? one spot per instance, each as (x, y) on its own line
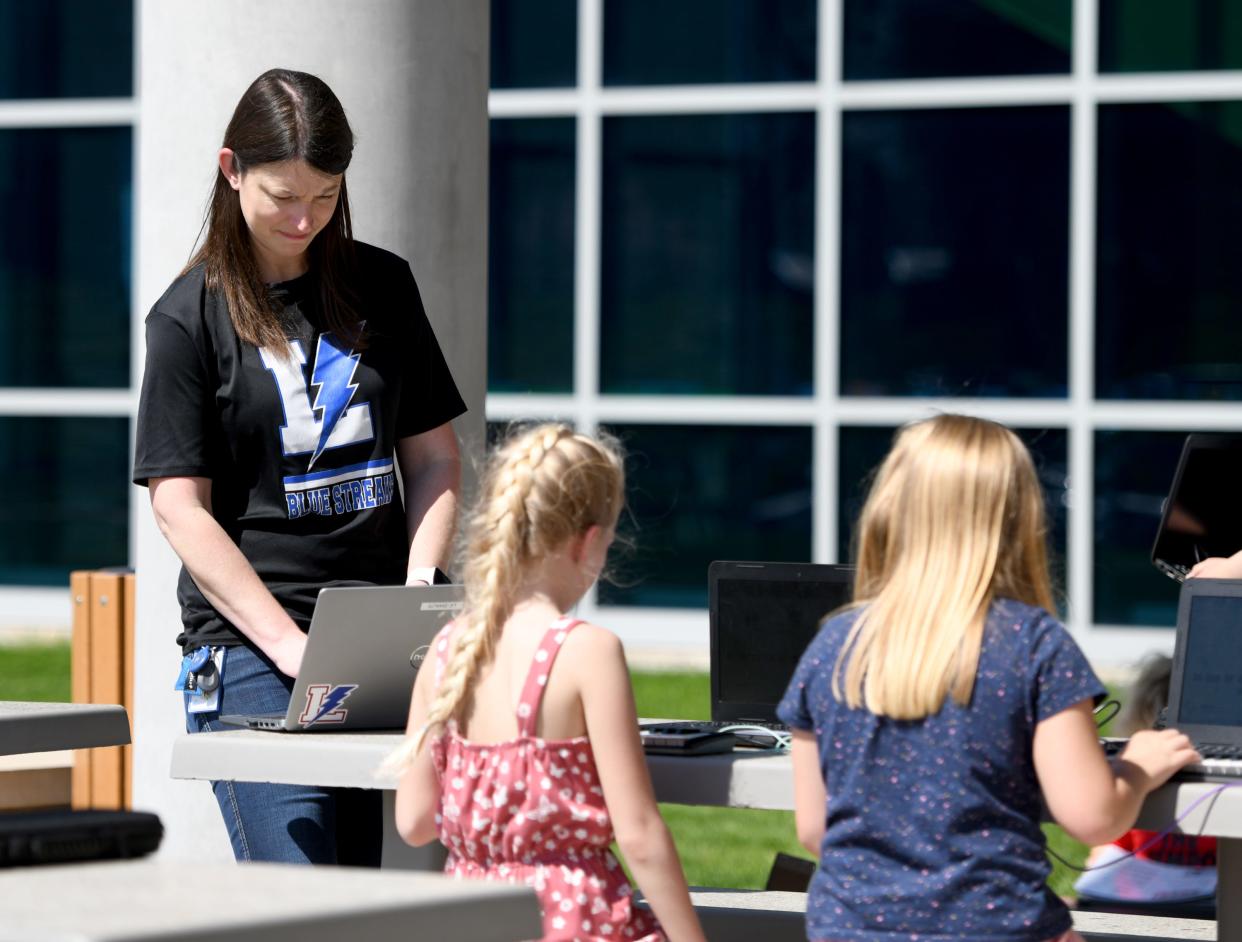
(727, 847)
(34, 672)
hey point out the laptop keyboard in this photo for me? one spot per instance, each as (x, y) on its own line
(745, 737)
(1220, 760)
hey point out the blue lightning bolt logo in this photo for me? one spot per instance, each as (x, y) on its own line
(330, 702)
(333, 374)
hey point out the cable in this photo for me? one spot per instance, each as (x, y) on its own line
(1157, 838)
(1115, 704)
(780, 740)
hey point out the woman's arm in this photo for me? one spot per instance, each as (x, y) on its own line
(612, 725)
(182, 509)
(431, 474)
(810, 795)
(418, 788)
(1094, 801)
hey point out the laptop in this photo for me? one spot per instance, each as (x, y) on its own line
(761, 617)
(1201, 516)
(1205, 688)
(365, 646)
(63, 836)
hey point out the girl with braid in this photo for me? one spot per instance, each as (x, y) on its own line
(522, 753)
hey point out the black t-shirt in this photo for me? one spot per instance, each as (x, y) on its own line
(300, 450)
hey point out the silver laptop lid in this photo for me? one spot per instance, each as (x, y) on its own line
(364, 650)
(1205, 689)
(761, 618)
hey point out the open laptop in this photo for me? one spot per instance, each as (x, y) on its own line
(1205, 688)
(365, 646)
(761, 617)
(1201, 516)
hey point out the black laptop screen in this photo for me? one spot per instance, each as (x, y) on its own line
(763, 626)
(1202, 517)
(1212, 664)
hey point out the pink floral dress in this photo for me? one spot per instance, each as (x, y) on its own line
(531, 811)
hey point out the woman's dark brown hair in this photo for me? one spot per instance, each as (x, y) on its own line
(283, 115)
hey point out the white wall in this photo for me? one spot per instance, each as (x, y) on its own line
(412, 75)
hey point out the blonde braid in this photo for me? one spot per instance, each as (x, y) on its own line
(498, 547)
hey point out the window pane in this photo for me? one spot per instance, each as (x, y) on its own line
(1141, 36)
(1133, 473)
(534, 43)
(68, 482)
(65, 257)
(653, 42)
(955, 252)
(901, 39)
(862, 448)
(707, 260)
(698, 493)
(531, 256)
(66, 49)
(1169, 222)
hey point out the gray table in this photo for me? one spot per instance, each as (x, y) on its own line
(119, 901)
(49, 727)
(742, 779)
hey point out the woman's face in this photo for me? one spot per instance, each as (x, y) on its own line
(285, 205)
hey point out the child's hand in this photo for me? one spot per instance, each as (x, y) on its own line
(1152, 756)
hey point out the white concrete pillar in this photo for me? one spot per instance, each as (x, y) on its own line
(412, 75)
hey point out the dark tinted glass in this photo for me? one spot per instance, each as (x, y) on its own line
(1169, 223)
(65, 257)
(531, 256)
(955, 252)
(697, 493)
(898, 39)
(707, 261)
(68, 507)
(67, 49)
(1141, 36)
(653, 42)
(534, 43)
(1133, 472)
(862, 448)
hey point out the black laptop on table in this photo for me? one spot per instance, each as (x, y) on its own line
(761, 617)
(1205, 688)
(1202, 516)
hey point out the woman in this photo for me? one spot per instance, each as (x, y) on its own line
(287, 366)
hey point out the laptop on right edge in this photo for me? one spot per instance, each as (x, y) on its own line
(1202, 516)
(1205, 689)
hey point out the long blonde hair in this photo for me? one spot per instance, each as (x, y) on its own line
(544, 486)
(954, 519)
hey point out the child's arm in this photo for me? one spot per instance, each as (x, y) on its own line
(810, 796)
(418, 789)
(1094, 801)
(612, 724)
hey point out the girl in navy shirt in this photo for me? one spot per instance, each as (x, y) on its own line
(932, 717)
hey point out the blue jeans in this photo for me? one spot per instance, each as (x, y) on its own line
(286, 823)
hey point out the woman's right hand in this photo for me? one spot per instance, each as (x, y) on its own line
(287, 653)
(1153, 755)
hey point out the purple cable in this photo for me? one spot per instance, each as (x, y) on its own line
(1157, 838)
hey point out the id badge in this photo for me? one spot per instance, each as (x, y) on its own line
(199, 702)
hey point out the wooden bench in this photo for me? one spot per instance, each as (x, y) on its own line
(775, 916)
(35, 780)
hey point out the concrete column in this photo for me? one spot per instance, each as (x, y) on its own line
(413, 77)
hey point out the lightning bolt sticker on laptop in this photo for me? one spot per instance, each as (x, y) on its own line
(323, 703)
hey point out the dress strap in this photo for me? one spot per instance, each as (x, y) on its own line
(440, 651)
(540, 668)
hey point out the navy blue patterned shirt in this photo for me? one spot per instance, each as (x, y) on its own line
(932, 826)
